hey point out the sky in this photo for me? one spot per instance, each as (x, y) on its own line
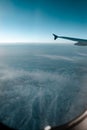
(34, 21)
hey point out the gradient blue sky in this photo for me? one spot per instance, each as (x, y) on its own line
(36, 20)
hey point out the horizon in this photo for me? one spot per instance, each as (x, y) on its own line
(60, 42)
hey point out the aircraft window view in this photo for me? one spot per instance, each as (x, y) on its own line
(43, 64)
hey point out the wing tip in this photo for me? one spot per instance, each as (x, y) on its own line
(55, 36)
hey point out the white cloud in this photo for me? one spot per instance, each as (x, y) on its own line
(37, 95)
(82, 54)
(58, 57)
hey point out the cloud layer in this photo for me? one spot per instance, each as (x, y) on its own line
(47, 93)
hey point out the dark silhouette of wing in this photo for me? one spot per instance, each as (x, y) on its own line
(55, 36)
(79, 42)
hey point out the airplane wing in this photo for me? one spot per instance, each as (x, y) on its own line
(55, 36)
(80, 42)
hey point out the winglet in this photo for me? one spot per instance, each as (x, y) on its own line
(55, 36)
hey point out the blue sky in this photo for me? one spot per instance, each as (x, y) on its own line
(36, 20)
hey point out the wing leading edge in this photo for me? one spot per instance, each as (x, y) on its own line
(79, 42)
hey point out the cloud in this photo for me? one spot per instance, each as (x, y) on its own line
(57, 57)
(82, 54)
(79, 102)
(41, 97)
(29, 96)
